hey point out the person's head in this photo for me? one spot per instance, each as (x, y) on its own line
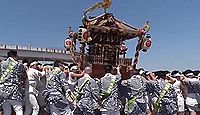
(40, 67)
(66, 69)
(25, 61)
(26, 66)
(59, 64)
(134, 72)
(188, 73)
(88, 70)
(145, 74)
(166, 74)
(150, 75)
(47, 68)
(108, 68)
(176, 74)
(141, 71)
(196, 73)
(34, 65)
(162, 74)
(13, 54)
(74, 69)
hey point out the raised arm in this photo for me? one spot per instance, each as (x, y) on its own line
(77, 74)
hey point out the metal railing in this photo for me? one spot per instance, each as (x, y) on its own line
(30, 48)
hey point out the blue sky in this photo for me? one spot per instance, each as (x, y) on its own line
(174, 26)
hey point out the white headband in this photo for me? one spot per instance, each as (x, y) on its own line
(25, 64)
(148, 73)
(198, 75)
(33, 63)
(190, 74)
(177, 74)
(74, 68)
(141, 72)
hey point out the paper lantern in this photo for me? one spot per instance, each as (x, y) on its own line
(68, 43)
(83, 35)
(146, 43)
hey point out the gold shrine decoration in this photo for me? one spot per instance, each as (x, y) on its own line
(105, 4)
(146, 27)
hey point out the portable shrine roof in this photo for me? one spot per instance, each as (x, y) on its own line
(106, 23)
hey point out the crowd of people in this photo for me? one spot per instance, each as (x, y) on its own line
(29, 88)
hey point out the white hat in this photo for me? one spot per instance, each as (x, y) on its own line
(74, 68)
(34, 63)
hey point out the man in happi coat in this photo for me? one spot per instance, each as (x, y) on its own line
(111, 104)
(57, 91)
(12, 79)
(88, 93)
